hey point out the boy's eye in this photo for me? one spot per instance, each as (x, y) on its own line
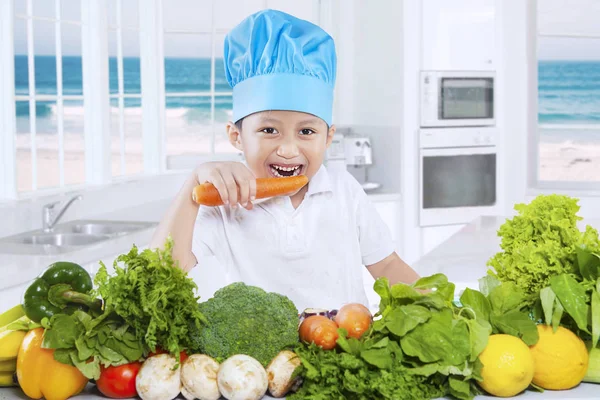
(307, 131)
(269, 130)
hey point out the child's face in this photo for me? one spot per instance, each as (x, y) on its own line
(282, 143)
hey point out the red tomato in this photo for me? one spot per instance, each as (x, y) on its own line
(119, 382)
(355, 318)
(320, 330)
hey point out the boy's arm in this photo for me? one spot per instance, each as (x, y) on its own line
(235, 183)
(179, 222)
(393, 268)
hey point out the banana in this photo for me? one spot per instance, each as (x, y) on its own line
(7, 379)
(8, 365)
(11, 315)
(10, 341)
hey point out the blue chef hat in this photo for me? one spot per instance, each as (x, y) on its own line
(275, 61)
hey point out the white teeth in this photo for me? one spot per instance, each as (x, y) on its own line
(275, 170)
(288, 169)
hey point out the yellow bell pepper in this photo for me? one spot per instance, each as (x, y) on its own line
(40, 375)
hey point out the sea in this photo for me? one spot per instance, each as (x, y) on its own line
(182, 75)
(568, 94)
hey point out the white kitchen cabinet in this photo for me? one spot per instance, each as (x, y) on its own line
(458, 35)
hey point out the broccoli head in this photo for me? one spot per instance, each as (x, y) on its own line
(247, 320)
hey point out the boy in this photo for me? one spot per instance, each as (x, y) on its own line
(311, 245)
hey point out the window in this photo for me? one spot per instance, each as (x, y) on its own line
(48, 95)
(126, 140)
(568, 50)
(160, 101)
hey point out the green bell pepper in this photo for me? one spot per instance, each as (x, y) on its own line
(63, 288)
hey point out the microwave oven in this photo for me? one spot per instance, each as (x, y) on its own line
(457, 98)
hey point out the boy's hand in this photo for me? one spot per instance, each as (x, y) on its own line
(234, 181)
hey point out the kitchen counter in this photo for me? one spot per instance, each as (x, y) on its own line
(462, 257)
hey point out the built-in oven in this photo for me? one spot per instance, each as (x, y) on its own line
(457, 98)
(458, 175)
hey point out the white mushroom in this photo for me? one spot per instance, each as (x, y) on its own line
(199, 378)
(242, 377)
(158, 379)
(280, 372)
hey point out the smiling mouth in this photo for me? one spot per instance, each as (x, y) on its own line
(280, 171)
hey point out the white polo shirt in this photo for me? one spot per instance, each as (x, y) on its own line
(313, 254)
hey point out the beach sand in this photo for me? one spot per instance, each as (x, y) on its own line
(567, 161)
(48, 175)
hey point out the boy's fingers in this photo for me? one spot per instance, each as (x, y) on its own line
(244, 186)
(217, 180)
(252, 183)
(232, 188)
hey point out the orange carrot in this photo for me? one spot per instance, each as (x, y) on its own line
(207, 194)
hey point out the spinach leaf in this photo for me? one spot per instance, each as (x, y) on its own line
(548, 298)
(476, 302)
(517, 324)
(382, 288)
(595, 317)
(557, 315)
(433, 340)
(349, 345)
(505, 297)
(403, 319)
(479, 332)
(380, 358)
(430, 282)
(487, 284)
(588, 262)
(572, 297)
(401, 291)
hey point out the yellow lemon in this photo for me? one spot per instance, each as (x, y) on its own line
(561, 359)
(507, 366)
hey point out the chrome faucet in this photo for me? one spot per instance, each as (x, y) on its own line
(48, 222)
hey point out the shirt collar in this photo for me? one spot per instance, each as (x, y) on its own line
(320, 183)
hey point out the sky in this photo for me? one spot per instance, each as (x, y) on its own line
(575, 17)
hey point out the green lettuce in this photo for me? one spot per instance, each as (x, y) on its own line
(541, 242)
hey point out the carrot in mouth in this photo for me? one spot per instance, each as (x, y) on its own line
(206, 194)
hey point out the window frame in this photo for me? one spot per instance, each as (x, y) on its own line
(534, 184)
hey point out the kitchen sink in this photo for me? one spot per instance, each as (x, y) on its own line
(61, 239)
(70, 236)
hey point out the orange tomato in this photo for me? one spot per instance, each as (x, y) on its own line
(320, 330)
(355, 318)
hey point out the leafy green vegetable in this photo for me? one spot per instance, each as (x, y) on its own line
(88, 342)
(420, 346)
(573, 298)
(247, 320)
(331, 375)
(504, 309)
(155, 297)
(595, 317)
(541, 242)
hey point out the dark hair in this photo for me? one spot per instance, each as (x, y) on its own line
(238, 124)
